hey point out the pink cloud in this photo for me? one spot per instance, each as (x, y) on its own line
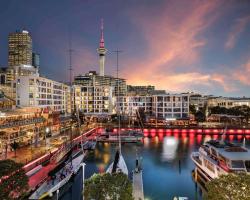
(242, 73)
(173, 37)
(237, 28)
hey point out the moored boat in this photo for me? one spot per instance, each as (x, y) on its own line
(58, 179)
(216, 158)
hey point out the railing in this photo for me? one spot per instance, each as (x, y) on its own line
(55, 152)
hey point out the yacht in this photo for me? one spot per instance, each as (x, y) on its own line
(216, 158)
(57, 179)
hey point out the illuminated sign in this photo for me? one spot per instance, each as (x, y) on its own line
(22, 122)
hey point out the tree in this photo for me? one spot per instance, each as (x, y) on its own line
(200, 116)
(108, 186)
(14, 146)
(192, 109)
(229, 187)
(13, 180)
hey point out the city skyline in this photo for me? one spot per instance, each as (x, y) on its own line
(202, 48)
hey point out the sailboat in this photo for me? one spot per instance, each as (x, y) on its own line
(118, 165)
(60, 175)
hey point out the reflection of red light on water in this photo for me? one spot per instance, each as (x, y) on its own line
(152, 134)
(160, 136)
(247, 136)
(183, 135)
(231, 138)
(215, 137)
(101, 169)
(176, 135)
(160, 131)
(199, 138)
(191, 139)
(239, 137)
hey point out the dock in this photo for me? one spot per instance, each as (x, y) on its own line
(138, 193)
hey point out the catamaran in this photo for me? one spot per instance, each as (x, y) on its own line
(218, 157)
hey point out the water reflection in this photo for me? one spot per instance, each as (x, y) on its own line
(169, 148)
(167, 167)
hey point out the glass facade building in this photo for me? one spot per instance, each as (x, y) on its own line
(20, 48)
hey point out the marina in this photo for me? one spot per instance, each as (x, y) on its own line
(168, 156)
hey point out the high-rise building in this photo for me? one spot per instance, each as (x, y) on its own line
(102, 51)
(20, 48)
(36, 60)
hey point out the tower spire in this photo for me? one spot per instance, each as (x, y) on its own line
(102, 51)
(101, 45)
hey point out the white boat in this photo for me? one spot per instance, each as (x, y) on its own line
(216, 158)
(59, 179)
(118, 165)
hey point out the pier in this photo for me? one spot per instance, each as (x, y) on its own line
(138, 193)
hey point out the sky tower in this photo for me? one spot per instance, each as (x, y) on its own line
(102, 51)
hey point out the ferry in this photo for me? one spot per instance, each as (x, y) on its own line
(216, 158)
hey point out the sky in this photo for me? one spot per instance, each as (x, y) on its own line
(179, 46)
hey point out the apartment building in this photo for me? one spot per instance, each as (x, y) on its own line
(227, 102)
(129, 105)
(36, 91)
(93, 79)
(94, 100)
(170, 106)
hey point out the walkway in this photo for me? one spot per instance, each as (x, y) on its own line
(138, 193)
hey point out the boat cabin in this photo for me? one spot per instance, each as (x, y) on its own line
(230, 157)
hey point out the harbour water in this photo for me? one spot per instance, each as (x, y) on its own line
(167, 167)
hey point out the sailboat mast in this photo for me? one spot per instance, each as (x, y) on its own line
(118, 98)
(71, 92)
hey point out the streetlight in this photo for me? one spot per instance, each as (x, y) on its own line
(47, 130)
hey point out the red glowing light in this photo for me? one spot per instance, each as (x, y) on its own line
(207, 131)
(199, 138)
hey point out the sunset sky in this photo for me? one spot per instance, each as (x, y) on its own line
(179, 46)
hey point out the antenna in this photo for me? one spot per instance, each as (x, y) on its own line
(118, 96)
